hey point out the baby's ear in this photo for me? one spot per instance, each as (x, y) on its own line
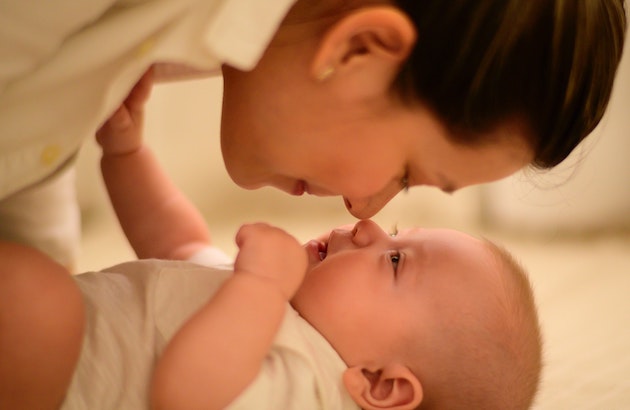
(392, 387)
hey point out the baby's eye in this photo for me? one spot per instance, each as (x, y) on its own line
(394, 257)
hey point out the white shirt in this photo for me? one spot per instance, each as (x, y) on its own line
(66, 65)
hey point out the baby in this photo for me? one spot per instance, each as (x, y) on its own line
(425, 318)
(430, 318)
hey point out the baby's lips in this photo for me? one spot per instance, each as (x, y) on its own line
(316, 251)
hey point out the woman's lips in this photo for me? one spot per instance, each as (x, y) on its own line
(302, 187)
(299, 188)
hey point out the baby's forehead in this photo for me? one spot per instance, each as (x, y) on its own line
(457, 252)
(437, 235)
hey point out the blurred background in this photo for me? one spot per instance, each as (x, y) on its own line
(569, 227)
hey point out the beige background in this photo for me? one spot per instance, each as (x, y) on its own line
(570, 228)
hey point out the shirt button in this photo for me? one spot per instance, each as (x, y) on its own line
(145, 48)
(49, 155)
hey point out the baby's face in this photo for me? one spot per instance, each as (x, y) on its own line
(364, 289)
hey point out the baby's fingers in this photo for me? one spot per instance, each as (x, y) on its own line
(122, 132)
(270, 252)
(140, 93)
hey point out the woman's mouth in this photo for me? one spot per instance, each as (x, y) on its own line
(299, 188)
(302, 187)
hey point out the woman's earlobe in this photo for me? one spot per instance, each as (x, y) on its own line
(325, 73)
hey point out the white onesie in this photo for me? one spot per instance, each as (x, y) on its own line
(134, 309)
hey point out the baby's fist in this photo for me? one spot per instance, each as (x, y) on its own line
(270, 252)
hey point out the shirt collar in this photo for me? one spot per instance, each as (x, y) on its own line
(242, 29)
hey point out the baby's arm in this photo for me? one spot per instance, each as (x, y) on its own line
(158, 220)
(220, 350)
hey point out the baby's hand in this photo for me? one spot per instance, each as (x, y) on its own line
(122, 132)
(271, 253)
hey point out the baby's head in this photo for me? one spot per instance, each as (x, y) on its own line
(429, 317)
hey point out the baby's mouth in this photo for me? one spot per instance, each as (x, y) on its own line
(322, 247)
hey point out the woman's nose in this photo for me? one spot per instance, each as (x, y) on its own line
(366, 232)
(364, 208)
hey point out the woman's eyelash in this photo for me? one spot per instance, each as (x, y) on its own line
(404, 182)
(394, 230)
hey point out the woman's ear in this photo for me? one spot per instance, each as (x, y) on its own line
(393, 387)
(364, 50)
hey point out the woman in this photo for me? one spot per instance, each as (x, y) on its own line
(357, 98)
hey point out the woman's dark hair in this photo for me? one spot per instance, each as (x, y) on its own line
(548, 63)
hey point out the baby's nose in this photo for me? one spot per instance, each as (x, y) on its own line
(365, 232)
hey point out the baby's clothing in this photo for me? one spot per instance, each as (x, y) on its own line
(134, 309)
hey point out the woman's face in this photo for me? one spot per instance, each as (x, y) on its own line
(284, 129)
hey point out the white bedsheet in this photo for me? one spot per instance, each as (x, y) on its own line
(583, 293)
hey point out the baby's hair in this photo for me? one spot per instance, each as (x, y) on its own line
(547, 66)
(525, 333)
(496, 360)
